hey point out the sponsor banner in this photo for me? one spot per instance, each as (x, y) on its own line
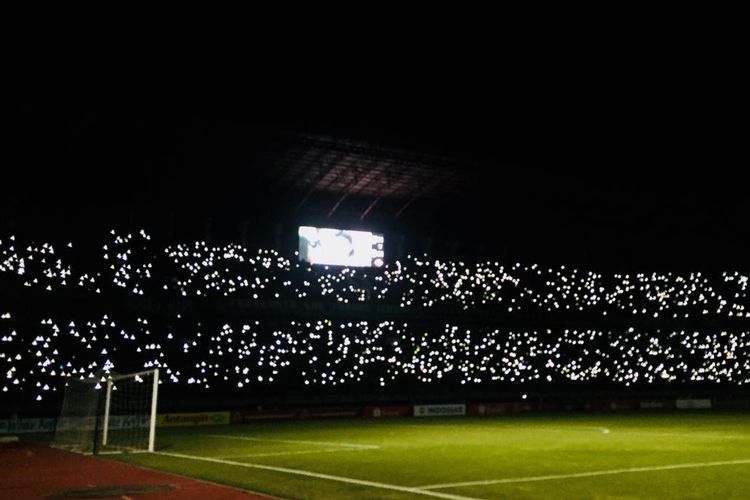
(623, 405)
(186, 419)
(693, 404)
(654, 405)
(335, 412)
(241, 417)
(116, 422)
(24, 425)
(598, 405)
(78, 423)
(127, 421)
(490, 408)
(439, 410)
(386, 411)
(730, 403)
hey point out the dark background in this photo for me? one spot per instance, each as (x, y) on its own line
(607, 169)
(615, 160)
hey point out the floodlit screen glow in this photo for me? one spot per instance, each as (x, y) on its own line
(340, 247)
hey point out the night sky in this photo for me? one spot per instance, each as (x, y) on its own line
(633, 174)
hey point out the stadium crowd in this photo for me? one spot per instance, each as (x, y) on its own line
(129, 262)
(36, 356)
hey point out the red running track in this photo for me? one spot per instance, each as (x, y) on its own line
(28, 472)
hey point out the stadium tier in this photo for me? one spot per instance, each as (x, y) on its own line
(253, 321)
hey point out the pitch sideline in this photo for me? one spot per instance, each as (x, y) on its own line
(285, 453)
(297, 441)
(340, 479)
(584, 474)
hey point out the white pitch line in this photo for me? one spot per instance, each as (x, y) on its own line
(120, 452)
(686, 435)
(584, 474)
(295, 441)
(624, 431)
(282, 453)
(340, 479)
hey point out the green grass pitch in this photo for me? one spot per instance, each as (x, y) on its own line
(603, 456)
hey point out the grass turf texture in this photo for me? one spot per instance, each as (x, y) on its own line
(419, 453)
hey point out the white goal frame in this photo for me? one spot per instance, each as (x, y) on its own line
(154, 398)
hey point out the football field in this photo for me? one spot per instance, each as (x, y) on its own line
(602, 456)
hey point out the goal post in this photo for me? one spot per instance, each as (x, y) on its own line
(75, 428)
(109, 415)
(129, 419)
(107, 400)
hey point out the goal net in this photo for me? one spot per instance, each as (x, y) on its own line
(109, 416)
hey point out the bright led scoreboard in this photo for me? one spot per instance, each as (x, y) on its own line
(340, 247)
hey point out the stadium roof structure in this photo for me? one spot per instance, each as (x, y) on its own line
(386, 177)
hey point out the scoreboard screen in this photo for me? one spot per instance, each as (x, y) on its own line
(340, 247)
